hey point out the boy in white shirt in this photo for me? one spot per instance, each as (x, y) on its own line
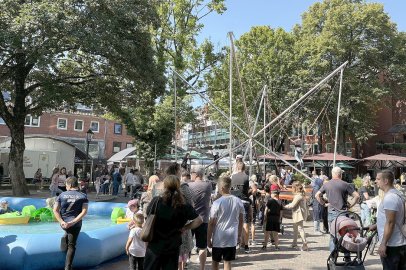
(135, 247)
(225, 225)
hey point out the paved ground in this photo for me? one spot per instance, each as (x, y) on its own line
(286, 258)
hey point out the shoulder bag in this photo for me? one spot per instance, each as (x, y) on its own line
(147, 232)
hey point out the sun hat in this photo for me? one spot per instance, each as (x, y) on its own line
(132, 202)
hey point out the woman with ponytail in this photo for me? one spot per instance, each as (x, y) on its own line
(171, 216)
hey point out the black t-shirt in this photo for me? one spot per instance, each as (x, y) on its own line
(337, 192)
(274, 207)
(369, 190)
(168, 222)
(240, 184)
(71, 204)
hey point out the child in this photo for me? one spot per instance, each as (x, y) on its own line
(132, 209)
(225, 225)
(135, 247)
(273, 214)
(4, 207)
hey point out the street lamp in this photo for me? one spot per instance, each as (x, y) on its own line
(89, 136)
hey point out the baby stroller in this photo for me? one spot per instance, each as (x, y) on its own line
(350, 242)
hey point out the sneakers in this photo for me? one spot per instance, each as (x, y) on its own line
(263, 248)
(253, 243)
(247, 250)
(64, 243)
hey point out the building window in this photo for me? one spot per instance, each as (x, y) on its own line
(117, 128)
(2, 121)
(78, 125)
(94, 126)
(116, 147)
(128, 145)
(62, 123)
(31, 121)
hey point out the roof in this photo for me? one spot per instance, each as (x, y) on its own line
(400, 128)
(79, 154)
(278, 156)
(385, 157)
(117, 157)
(329, 157)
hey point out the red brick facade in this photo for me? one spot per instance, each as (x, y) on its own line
(73, 127)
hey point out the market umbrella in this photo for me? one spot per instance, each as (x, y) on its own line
(381, 161)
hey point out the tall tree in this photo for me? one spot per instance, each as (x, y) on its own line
(177, 46)
(265, 57)
(57, 53)
(335, 31)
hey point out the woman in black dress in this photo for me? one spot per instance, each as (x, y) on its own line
(273, 214)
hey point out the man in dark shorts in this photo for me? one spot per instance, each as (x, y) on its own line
(337, 192)
(225, 225)
(240, 188)
(201, 192)
(69, 209)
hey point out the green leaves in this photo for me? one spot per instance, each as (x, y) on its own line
(331, 32)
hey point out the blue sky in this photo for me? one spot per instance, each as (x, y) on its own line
(241, 15)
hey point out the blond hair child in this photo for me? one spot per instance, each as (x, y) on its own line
(135, 247)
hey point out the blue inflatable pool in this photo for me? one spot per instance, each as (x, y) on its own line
(40, 249)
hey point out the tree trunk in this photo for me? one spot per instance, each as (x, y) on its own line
(16, 160)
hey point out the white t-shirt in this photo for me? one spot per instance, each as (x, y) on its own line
(391, 201)
(226, 210)
(137, 247)
(129, 179)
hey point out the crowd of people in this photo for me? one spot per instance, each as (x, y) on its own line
(189, 212)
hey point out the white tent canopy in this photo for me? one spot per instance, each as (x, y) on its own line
(121, 155)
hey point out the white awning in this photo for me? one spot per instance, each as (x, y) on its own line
(121, 155)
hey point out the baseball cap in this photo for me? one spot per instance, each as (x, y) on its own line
(4, 202)
(238, 156)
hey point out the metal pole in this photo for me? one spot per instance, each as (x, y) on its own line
(155, 159)
(230, 34)
(264, 134)
(338, 117)
(212, 104)
(87, 156)
(311, 91)
(256, 119)
(176, 140)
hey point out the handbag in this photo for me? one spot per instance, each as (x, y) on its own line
(147, 232)
(403, 226)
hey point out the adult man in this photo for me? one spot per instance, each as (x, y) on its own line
(129, 183)
(240, 188)
(225, 225)
(390, 218)
(201, 191)
(337, 192)
(69, 209)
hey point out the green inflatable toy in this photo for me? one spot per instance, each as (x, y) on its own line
(44, 214)
(117, 212)
(28, 210)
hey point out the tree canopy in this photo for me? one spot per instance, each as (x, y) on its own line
(290, 63)
(54, 54)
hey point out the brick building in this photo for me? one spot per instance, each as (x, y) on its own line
(109, 136)
(390, 130)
